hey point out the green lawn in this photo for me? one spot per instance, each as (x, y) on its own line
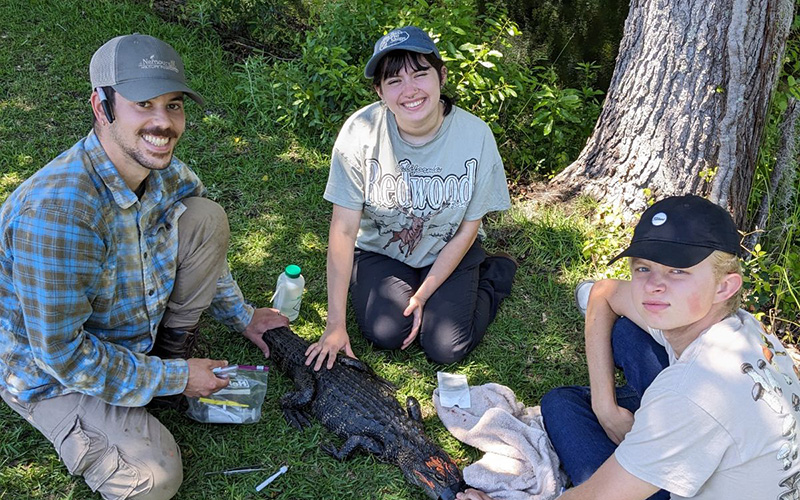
(271, 184)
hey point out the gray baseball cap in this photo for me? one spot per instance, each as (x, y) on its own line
(140, 67)
(408, 38)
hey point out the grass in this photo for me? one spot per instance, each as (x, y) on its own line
(271, 185)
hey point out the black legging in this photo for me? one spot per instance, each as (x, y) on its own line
(454, 318)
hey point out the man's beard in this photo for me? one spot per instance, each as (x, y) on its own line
(141, 157)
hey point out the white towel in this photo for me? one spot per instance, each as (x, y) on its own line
(519, 462)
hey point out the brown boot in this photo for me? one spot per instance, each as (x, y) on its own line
(173, 343)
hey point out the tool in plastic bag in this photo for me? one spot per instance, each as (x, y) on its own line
(238, 403)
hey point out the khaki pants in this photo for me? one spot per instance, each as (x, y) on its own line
(122, 453)
(126, 453)
(203, 236)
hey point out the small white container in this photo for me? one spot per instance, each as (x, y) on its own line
(289, 292)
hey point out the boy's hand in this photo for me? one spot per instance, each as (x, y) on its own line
(617, 422)
(472, 494)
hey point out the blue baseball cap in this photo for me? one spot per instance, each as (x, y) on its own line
(681, 231)
(408, 38)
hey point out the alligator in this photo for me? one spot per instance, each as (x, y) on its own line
(357, 405)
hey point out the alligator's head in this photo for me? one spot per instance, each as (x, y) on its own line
(437, 474)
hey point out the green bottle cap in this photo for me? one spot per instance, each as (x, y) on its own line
(292, 271)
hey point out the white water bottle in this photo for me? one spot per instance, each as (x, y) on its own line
(289, 291)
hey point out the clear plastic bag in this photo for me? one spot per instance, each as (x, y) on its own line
(238, 403)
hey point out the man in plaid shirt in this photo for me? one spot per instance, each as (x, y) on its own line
(108, 257)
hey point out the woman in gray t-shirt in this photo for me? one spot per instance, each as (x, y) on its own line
(411, 177)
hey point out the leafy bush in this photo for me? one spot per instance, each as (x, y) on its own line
(555, 123)
(539, 126)
(317, 91)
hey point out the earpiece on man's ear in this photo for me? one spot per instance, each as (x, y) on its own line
(106, 105)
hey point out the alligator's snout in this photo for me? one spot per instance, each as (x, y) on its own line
(439, 476)
(449, 493)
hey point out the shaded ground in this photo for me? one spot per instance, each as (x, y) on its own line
(235, 37)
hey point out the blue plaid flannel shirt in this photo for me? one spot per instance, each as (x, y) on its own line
(86, 269)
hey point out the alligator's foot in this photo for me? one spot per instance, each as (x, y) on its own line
(353, 442)
(413, 409)
(297, 418)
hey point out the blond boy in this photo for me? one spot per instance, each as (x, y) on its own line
(720, 420)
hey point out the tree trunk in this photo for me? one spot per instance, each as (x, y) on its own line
(687, 105)
(776, 204)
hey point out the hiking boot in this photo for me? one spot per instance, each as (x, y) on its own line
(582, 291)
(173, 343)
(504, 255)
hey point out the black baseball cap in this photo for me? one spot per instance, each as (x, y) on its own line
(681, 231)
(408, 38)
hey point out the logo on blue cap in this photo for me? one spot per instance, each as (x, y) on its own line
(393, 38)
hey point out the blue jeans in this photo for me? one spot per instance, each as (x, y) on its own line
(578, 438)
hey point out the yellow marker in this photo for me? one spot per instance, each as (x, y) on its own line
(222, 402)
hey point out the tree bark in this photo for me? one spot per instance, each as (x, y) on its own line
(687, 105)
(775, 204)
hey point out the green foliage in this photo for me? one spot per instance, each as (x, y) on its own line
(789, 82)
(772, 274)
(539, 125)
(555, 121)
(609, 236)
(483, 79)
(317, 91)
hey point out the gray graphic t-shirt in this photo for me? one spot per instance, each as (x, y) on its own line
(414, 198)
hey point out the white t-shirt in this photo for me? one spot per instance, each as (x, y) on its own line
(413, 198)
(720, 423)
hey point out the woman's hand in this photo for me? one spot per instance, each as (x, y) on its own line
(332, 341)
(415, 307)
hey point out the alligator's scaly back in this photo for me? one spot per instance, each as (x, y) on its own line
(360, 407)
